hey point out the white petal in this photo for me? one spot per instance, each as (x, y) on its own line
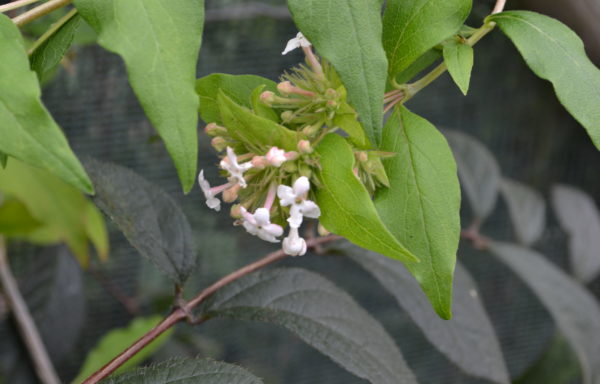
(204, 185)
(301, 186)
(295, 218)
(262, 217)
(291, 45)
(214, 203)
(275, 156)
(303, 40)
(250, 228)
(294, 245)
(310, 209)
(286, 195)
(267, 237)
(273, 230)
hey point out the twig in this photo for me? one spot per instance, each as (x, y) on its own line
(183, 312)
(16, 4)
(40, 11)
(130, 305)
(16, 304)
(52, 30)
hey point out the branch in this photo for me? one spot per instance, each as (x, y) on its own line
(16, 4)
(40, 11)
(41, 361)
(183, 312)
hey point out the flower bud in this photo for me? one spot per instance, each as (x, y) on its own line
(267, 97)
(259, 162)
(285, 88)
(304, 146)
(213, 129)
(291, 155)
(311, 130)
(289, 167)
(236, 211)
(305, 170)
(330, 93)
(230, 195)
(361, 156)
(276, 157)
(287, 116)
(219, 143)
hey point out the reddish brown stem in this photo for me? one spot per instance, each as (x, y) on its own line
(186, 309)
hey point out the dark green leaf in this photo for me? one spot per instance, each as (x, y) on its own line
(148, 217)
(346, 119)
(3, 160)
(238, 88)
(347, 208)
(555, 53)
(574, 309)
(252, 129)
(468, 339)
(478, 170)
(159, 42)
(579, 217)
(348, 34)
(411, 28)
(320, 314)
(459, 60)
(28, 131)
(46, 56)
(15, 219)
(116, 340)
(187, 371)
(527, 210)
(422, 206)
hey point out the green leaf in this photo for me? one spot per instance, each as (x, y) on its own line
(348, 34)
(574, 309)
(555, 53)
(468, 339)
(115, 341)
(426, 60)
(252, 129)
(347, 208)
(187, 371)
(411, 28)
(46, 56)
(422, 206)
(159, 42)
(321, 314)
(478, 170)
(148, 217)
(578, 215)
(238, 88)
(63, 211)
(27, 129)
(346, 119)
(3, 160)
(458, 57)
(527, 210)
(15, 219)
(260, 108)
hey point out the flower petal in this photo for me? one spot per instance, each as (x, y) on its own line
(295, 218)
(310, 209)
(286, 195)
(262, 217)
(301, 186)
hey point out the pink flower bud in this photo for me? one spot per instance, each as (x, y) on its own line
(304, 146)
(267, 97)
(214, 129)
(259, 162)
(275, 157)
(285, 88)
(218, 143)
(230, 195)
(236, 211)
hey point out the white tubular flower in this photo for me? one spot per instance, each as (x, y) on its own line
(296, 42)
(295, 197)
(294, 245)
(230, 164)
(259, 224)
(209, 194)
(276, 157)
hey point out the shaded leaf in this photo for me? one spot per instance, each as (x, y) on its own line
(187, 371)
(411, 28)
(47, 56)
(159, 42)
(527, 210)
(348, 34)
(238, 88)
(116, 340)
(478, 170)
(3, 160)
(321, 314)
(63, 211)
(468, 339)
(148, 217)
(347, 208)
(458, 57)
(574, 309)
(15, 219)
(579, 217)
(422, 206)
(555, 53)
(27, 129)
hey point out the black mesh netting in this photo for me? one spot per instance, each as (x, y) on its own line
(508, 109)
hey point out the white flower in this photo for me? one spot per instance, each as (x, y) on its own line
(296, 198)
(276, 157)
(294, 245)
(211, 201)
(296, 42)
(230, 164)
(259, 224)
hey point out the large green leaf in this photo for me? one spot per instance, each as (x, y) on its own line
(148, 217)
(320, 314)
(422, 206)
(159, 42)
(348, 34)
(116, 340)
(46, 56)
(555, 53)
(187, 371)
(64, 213)
(347, 208)
(458, 57)
(574, 309)
(468, 339)
(238, 88)
(27, 130)
(411, 28)
(253, 130)
(15, 219)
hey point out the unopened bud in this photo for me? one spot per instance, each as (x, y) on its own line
(330, 93)
(305, 170)
(361, 156)
(291, 155)
(287, 116)
(267, 97)
(285, 88)
(259, 162)
(311, 130)
(289, 167)
(219, 143)
(236, 211)
(304, 146)
(230, 195)
(213, 129)
(332, 104)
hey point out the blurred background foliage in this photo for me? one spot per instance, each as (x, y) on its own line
(508, 109)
